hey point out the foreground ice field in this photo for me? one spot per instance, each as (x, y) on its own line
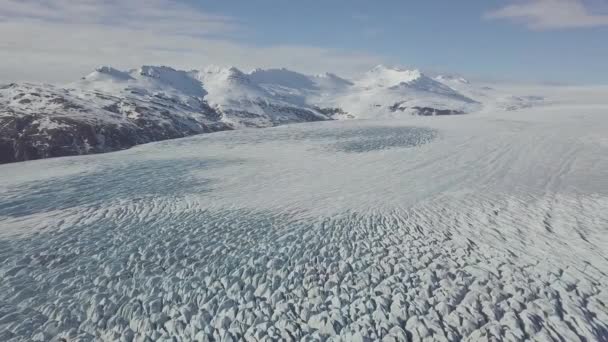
(491, 226)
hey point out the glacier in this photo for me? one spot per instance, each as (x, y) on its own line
(489, 226)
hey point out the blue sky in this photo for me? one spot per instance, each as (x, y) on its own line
(563, 41)
(438, 35)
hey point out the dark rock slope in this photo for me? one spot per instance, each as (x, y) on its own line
(42, 121)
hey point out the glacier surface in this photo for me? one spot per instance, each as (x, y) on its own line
(491, 226)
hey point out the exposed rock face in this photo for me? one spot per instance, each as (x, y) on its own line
(335, 113)
(427, 111)
(21, 138)
(25, 138)
(424, 111)
(42, 121)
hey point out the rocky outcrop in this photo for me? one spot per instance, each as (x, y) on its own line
(424, 111)
(41, 121)
(33, 136)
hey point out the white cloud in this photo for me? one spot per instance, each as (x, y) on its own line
(155, 15)
(551, 14)
(61, 40)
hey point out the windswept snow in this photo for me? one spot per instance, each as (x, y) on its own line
(489, 226)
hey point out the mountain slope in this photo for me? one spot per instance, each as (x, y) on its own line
(245, 102)
(109, 110)
(41, 121)
(392, 92)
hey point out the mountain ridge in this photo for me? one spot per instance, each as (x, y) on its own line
(111, 109)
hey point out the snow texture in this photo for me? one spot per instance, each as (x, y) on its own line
(485, 227)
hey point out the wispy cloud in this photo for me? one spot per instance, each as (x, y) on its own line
(60, 40)
(551, 14)
(153, 15)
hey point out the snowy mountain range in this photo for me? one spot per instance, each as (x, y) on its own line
(110, 109)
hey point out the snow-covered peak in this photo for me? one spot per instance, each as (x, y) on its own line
(215, 69)
(384, 76)
(332, 81)
(330, 75)
(452, 79)
(406, 80)
(230, 88)
(163, 77)
(108, 73)
(383, 69)
(146, 79)
(282, 77)
(166, 74)
(215, 73)
(159, 72)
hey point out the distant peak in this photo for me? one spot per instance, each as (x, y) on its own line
(216, 69)
(283, 77)
(384, 76)
(333, 79)
(108, 71)
(452, 78)
(328, 75)
(231, 74)
(384, 67)
(155, 71)
(282, 70)
(381, 68)
(236, 70)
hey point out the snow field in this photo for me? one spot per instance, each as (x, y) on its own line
(484, 227)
